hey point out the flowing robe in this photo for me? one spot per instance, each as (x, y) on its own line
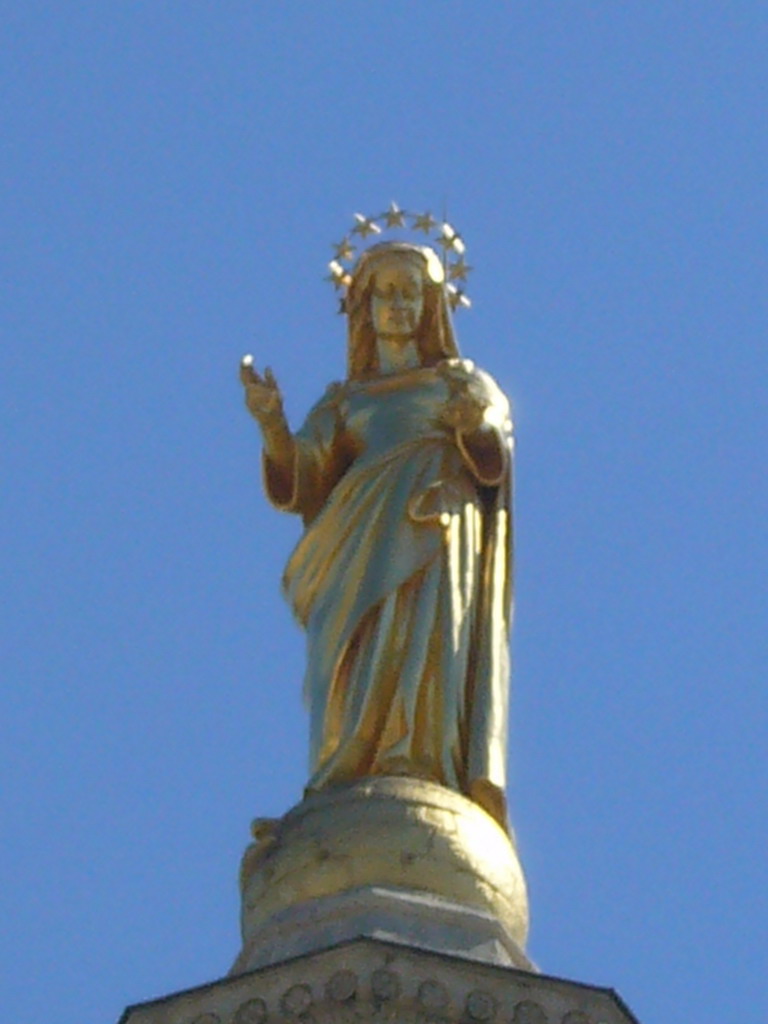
(402, 580)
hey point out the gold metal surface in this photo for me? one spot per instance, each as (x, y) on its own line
(452, 264)
(343, 250)
(394, 217)
(365, 226)
(425, 222)
(405, 835)
(402, 578)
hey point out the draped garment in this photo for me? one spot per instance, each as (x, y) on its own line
(402, 581)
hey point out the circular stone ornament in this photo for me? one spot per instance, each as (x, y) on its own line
(529, 1012)
(433, 995)
(342, 986)
(385, 985)
(481, 1006)
(254, 1011)
(297, 1000)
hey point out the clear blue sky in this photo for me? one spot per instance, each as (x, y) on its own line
(173, 174)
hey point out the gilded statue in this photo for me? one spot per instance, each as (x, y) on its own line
(402, 577)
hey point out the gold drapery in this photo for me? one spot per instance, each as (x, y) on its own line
(402, 581)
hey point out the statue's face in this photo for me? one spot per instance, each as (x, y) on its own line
(397, 299)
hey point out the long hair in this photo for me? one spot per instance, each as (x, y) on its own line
(434, 333)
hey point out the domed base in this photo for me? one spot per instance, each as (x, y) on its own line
(390, 857)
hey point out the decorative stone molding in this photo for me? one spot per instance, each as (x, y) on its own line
(380, 982)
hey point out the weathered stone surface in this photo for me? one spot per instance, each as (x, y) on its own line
(368, 980)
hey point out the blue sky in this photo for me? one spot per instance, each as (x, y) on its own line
(172, 177)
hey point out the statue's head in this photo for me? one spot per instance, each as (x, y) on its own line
(397, 289)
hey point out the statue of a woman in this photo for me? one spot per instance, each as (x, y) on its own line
(402, 577)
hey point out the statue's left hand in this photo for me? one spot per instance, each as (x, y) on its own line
(475, 402)
(463, 412)
(466, 403)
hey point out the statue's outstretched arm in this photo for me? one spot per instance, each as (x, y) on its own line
(265, 404)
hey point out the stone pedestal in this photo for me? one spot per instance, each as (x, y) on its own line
(387, 857)
(391, 900)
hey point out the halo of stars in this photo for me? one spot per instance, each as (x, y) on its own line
(441, 233)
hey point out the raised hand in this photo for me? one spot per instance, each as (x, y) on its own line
(265, 404)
(262, 395)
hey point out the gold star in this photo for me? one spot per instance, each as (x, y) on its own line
(338, 275)
(456, 297)
(343, 250)
(457, 244)
(365, 226)
(424, 222)
(458, 271)
(449, 239)
(445, 238)
(394, 216)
